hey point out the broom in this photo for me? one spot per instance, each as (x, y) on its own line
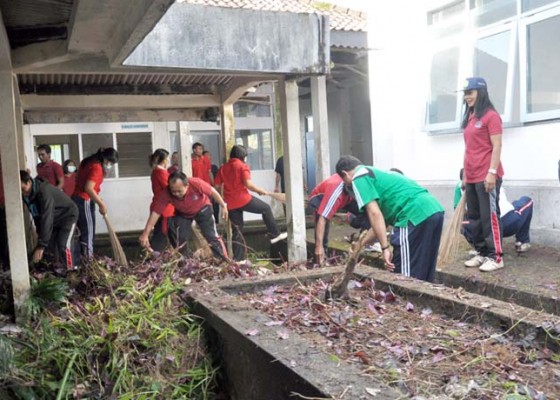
(452, 236)
(118, 252)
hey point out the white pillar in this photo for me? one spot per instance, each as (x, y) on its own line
(12, 191)
(185, 148)
(293, 173)
(320, 128)
(227, 126)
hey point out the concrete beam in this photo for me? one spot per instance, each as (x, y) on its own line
(141, 17)
(237, 88)
(38, 55)
(120, 102)
(293, 162)
(5, 53)
(320, 128)
(12, 190)
(185, 147)
(84, 116)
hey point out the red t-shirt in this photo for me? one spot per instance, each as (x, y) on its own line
(172, 169)
(233, 176)
(69, 184)
(160, 178)
(478, 147)
(201, 167)
(92, 171)
(51, 171)
(196, 198)
(334, 196)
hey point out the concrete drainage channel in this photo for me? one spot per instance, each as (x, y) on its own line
(261, 366)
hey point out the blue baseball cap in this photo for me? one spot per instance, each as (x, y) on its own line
(474, 83)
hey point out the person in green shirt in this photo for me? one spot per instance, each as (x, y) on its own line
(390, 198)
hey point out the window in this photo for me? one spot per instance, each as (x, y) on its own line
(258, 143)
(487, 12)
(93, 142)
(527, 5)
(134, 149)
(444, 83)
(251, 109)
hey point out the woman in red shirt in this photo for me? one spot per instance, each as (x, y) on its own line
(235, 177)
(160, 177)
(482, 178)
(86, 193)
(69, 168)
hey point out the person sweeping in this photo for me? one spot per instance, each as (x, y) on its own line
(160, 177)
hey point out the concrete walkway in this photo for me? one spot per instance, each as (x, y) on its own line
(531, 279)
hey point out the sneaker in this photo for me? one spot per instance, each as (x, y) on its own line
(376, 247)
(473, 252)
(474, 262)
(491, 265)
(522, 247)
(278, 238)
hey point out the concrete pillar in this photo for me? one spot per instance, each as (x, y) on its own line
(185, 147)
(293, 161)
(227, 125)
(320, 127)
(12, 190)
(19, 127)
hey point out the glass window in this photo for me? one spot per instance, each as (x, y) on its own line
(489, 11)
(444, 72)
(491, 60)
(250, 109)
(93, 142)
(134, 149)
(543, 53)
(527, 5)
(259, 147)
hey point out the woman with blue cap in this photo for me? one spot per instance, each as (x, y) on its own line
(483, 172)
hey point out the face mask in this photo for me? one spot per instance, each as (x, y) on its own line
(71, 169)
(108, 166)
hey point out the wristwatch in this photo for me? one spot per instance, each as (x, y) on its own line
(492, 171)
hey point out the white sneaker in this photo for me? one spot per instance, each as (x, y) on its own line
(278, 238)
(522, 247)
(491, 265)
(474, 262)
(473, 252)
(376, 247)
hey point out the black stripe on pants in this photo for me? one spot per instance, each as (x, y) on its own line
(86, 225)
(180, 230)
(255, 206)
(415, 248)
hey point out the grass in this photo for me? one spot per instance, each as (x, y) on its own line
(125, 334)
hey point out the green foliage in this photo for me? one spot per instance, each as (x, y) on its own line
(46, 292)
(129, 337)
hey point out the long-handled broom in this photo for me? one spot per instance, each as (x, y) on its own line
(118, 252)
(452, 236)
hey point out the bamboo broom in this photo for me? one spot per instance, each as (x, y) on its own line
(118, 252)
(452, 236)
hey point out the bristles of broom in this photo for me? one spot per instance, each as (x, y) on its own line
(118, 252)
(452, 236)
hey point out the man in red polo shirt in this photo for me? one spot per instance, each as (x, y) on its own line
(191, 199)
(201, 166)
(48, 169)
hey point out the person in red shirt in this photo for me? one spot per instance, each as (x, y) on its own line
(174, 163)
(191, 199)
(48, 169)
(482, 178)
(69, 168)
(160, 177)
(235, 177)
(4, 257)
(201, 166)
(86, 194)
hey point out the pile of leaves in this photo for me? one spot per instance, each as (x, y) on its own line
(424, 354)
(122, 333)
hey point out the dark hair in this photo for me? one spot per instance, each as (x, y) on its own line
(238, 152)
(177, 176)
(65, 165)
(159, 156)
(108, 154)
(194, 146)
(482, 105)
(24, 176)
(347, 163)
(461, 173)
(45, 147)
(205, 152)
(397, 171)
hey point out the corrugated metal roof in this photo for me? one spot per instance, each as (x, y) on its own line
(341, 18)
(22, 13)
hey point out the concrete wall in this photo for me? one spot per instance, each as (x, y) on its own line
(399, 84)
